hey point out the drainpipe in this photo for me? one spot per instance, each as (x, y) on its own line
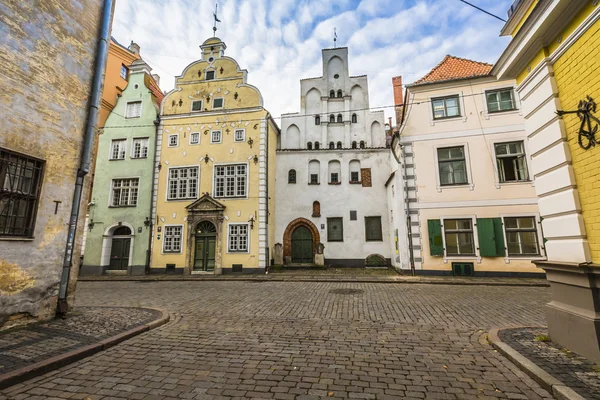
(86, 153)
(151, 226)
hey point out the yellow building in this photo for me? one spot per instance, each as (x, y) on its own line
(554, 55)
(214, 208)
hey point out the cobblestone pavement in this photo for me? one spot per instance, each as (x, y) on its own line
(20, 347)
(303, 340)
(578, 373)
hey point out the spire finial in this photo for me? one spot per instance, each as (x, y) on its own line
(334, 37)
(216, 20)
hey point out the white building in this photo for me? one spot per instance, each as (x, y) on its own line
(332, 166)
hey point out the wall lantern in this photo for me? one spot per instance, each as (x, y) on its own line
(147, 222)
(255, 159)
(251, 221)
(250, 142)
(206, 158)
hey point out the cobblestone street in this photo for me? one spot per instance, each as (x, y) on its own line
(303, 340)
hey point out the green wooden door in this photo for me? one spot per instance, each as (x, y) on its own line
(302, 245)
(205, 248)
(119, 254)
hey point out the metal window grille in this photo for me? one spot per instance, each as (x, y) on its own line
(172, 239)
(238, 237)
(335, 177)
(134, 109)
(140, 148)
(20, 185)
(354, 176)
(230, 180)
(118, 149)
(183, 183)
(521, 236)
(292, 176)
(240, 135)
(459, 237)
(125, 192)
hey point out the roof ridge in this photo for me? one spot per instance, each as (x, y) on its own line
(469, 68)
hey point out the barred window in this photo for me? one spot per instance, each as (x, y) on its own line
(124, 192)
(20, 185)
(117, 149)
(230, 180)
(238, 238)
(172, 240)
(140, 148)
(183, 183)
(134, 109)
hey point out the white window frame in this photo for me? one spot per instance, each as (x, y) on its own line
(213, 103)
(169, 140)
(518, 109)
(167, 198)
(214, 183)
(540, 237)
(111, 150)
(493, 142)
(247, 251)
(132, 155)
(473, 219)
(206, 73)
(127, 116)
(461, 102)
(111, 195)
(201, 106)
(235, 131)
(164, 232)
(469, 183)
(220, 136)
(199, 135)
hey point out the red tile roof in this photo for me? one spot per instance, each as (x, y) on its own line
(452, 68)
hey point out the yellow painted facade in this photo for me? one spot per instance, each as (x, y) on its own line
(242, 109)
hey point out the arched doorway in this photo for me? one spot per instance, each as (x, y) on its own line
(120, 249)
(205, 246)
(302, 245)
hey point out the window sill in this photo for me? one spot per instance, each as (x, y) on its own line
(335, 183)
(355, 182)
(373, 240)
(139, 116)
(172, 147)
(313, 184)
(183, 199)
(291, 183)
(516, 183)
(470, 186)
(116, 159)
(16, 239)
(237, 252)
(335, 241)
(122, 206)
(232, 198)
(316, 215)
(139, 158)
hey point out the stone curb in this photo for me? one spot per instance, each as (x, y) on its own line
(323, 279)
(56, 362)
(558, 389)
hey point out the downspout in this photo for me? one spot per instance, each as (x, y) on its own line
(268, 260)
(151, 226)
(86, 153)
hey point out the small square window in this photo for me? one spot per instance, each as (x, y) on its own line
(445, 107)
(210, 75)
(216, 137)
(354, 177)
(195, 138)
(134, 109)
(118, 149)
(218, 102)
(335, 230)
(240, 135)
(521, 236)
(173, 140)
(353, 216)
(314, 179)
(334, 177)
(197, 105)
(500, 100)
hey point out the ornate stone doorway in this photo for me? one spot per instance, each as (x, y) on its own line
(205, 247)
(304, 240)
(204, 242)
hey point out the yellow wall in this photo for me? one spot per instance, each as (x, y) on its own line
(576, 78)
(522, 21)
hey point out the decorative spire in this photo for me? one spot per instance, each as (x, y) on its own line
(334, 37)
(216, 20)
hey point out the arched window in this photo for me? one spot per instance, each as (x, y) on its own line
(316, 209)
(354, 171)
(339, 93)
(354, 146)
(340, 118)
(318, 120)
(314, 170)
(339, 145)
(331, 145)
(354, 118)
(331, 118)
(332, 94)
(317, 145)
(362, 144)
(309, 145)
(122, 231)
(335, 172)
(292, 176)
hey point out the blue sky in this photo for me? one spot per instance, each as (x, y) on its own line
(279, 42)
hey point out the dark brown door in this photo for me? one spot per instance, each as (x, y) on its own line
(119, 254)
(302, 245)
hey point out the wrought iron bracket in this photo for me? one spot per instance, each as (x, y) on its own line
(587, 134)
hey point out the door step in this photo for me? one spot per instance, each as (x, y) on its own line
(304, 266)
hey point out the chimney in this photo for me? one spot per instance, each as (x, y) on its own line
(156, 79)
(398, 97)
(134, 48)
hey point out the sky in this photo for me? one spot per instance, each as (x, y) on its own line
(279, 42)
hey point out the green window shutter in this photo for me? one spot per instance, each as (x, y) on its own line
(491, 240)
(436, 244)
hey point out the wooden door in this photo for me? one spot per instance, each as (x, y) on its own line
(119, 254)
(302, 245)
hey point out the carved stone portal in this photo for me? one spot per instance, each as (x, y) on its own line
(204, 209)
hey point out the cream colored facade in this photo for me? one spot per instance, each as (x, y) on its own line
(212, 95)
(483, 197)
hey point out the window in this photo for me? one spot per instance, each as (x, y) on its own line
(210, 75)
(354, 118)
(317, 120)
(373, 231)
(317, 145)
(354, 177)
(452, 166)
(118, 149)
(124, 71)
(309, 145)
(335, 230)
(335, 178)
(240, 135)
(339, 94)
(218, 102)
(354, 146)
(314, 179)
(340, 118)
(197, 105)
(331, 145)
(500, 100)
(238, 238)
(140, 148)
(183, 183)
(362, 144)
(331, 119)
(316, 209)
(134, 109)
(353, 216)
(174, 140)
(339, 145)
(195, 138)
(459, 237)
(332, 93)
(215, 137)
(521, 235)
(335, 169)
(124, 192)
(512, 165)
(354, 171)
(292, 176)
(230, 180)
(20, 185)
(172, 239)
(446, 107)
(313, 172)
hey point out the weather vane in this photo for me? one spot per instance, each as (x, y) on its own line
(216, 20)
(334, 37)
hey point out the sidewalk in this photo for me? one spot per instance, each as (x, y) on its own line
(35, 349)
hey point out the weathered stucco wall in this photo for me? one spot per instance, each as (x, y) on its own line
(47, 53)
